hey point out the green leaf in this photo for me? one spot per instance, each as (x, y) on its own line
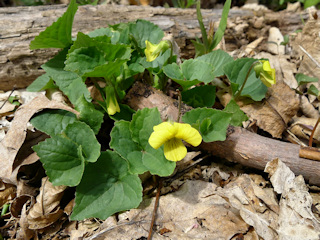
(200, 96)
(159, 62)
(64, 155)
(142, 124)
(191, 72)
(200, 48)
(62, 159)
(218, 59)
(68, 82)
(211, 123)
(58, 35)
(125, 113)
(236, 72)
(101, 60)
(238, 116)
(222, 25)
(89, 114)
(42, 83)
(310, 3)
(313, 90)
(130, 140)
(303, 79)
(107, 187)
(82, 135)
(143, 30)
(53, 122)
(84, 59)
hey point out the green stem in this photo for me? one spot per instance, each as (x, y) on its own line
(179, 106)
(202, 28)
(99, 88)
(245, 81)
(5, 208)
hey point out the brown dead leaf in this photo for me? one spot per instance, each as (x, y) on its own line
(7, 194)
(296, 220)
(24, 232)
(258, 207)
(302, 128)
(273, 114)
(46, 210)
(193, 212)
(307, 108)
(307, 44)
(15, 137)
(18, 203)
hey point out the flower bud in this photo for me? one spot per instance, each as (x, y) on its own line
(266, 74)
(152, 51)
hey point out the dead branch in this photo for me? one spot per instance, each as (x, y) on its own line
(19, 25)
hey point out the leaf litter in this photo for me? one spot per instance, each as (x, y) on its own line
(215, 202)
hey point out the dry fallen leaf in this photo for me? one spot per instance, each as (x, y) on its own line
(15, 137)
(258, 207)
(273, 114)
(296, 220)
(201, 215)
(46, 210)
(302, 128)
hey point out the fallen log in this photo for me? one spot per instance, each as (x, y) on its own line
(19, 66)
(241, 145)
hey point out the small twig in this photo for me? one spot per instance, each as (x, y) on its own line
(309, 153)
(313, 131)
(154, 213)
(7, 98)
(113, 227)
(309, 55)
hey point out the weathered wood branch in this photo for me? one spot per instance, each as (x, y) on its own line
(241, 146)
(19, 66)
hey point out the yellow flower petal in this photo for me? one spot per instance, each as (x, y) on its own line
(174, 150)
(152, 51)
(161, 133)
(188, 134)
(268, 75)
(112, 102)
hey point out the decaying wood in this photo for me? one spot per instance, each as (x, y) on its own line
(19, 66)
(241, 146)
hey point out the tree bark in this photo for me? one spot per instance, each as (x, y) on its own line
(242, 146)
(19, 25)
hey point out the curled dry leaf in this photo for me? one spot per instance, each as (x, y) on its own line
(273, 114)
(15, 137)
(302, 128)
(295, 202)
(46, 210)
(7, 194)
(24, 232)
(307, 108)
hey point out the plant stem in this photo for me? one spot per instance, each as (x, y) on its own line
(245, 81)
(155, 208)
(313, 131)
(179, 106)
(202, 28)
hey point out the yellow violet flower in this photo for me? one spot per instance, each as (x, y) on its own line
(152, 51)
(111, 99)
(266, 73)
(171, 136)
